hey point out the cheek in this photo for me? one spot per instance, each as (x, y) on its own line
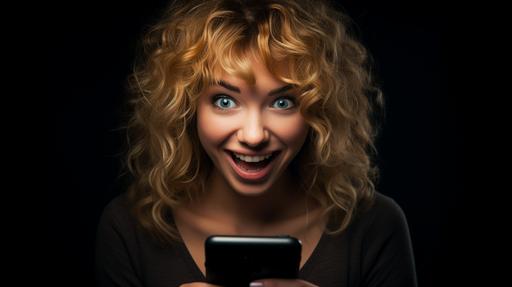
(211, 129)
(292, 130)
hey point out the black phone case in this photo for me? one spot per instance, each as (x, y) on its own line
(238, 260)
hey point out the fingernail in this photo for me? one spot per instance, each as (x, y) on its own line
(256, 284)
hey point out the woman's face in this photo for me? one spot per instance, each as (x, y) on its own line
(251, 133)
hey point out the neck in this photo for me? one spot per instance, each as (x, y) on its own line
(282, 202)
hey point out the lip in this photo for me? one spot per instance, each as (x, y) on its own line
(258, 176)
(249, 154)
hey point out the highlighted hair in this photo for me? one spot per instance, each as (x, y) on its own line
(189, 49)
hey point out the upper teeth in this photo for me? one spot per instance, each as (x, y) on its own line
(252, 158)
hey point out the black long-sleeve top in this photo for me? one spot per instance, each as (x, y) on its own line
(374, 251)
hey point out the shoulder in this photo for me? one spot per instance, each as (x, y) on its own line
(116, 214)
(117, 206)
(386, 208)
(385, 245)
(382, 214)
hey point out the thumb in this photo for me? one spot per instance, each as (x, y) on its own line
(281, 283)
(198, 284)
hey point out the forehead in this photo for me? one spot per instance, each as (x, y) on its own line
(256, 75)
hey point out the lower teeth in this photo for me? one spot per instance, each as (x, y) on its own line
(243, 165)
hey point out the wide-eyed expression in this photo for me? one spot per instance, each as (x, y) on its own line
(251, 132)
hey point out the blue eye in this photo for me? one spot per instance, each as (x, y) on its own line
(224, 102)
(284, 103)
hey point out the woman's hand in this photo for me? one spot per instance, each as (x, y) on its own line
(198, 284)
(281, 283)
(261, 283)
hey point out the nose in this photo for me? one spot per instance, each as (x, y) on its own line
(252, 132)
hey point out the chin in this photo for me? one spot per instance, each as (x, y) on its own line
(249, 189)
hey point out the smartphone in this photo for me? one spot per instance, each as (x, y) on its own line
(239, 260)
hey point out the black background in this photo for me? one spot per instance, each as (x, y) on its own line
(90, 51)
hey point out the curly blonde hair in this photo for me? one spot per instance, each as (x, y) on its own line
(188, 49)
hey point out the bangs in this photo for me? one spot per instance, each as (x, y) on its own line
(234, 59)
(230, 42)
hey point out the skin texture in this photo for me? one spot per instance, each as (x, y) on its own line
(250, 122)
(264, 283)
(253, 123)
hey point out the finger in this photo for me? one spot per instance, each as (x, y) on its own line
(281, 283)
(198, 284)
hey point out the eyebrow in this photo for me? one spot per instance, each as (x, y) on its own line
(271, 93)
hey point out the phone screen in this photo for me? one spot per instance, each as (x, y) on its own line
(238, 260)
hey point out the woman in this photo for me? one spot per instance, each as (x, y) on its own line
(253, 118)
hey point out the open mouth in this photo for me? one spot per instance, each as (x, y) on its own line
(252, 164)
